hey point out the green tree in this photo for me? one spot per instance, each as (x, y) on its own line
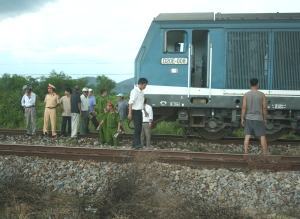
(61, 81)
(106, 83)
(11, 114)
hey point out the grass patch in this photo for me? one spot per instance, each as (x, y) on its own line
(172, 128)
(21, 198)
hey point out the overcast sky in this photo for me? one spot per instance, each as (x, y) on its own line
(92, 37)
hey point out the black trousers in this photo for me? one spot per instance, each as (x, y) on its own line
(137, 117)
(93, 118)
(66, 120)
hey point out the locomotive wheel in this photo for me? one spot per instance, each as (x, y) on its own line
(213, 135)
(214, 129)
(274, 130)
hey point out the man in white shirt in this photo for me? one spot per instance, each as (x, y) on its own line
(84, 111)
(28, 103)
(136, 105)
(65, 101)
(147, 123)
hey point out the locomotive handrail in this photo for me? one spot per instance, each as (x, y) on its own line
(189, 69)
(210, 68)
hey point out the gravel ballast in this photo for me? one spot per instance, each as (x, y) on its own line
(253, 191)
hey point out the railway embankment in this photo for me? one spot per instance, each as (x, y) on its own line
(145, 188)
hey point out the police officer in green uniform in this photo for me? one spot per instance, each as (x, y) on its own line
(112, 125)
(101, 113)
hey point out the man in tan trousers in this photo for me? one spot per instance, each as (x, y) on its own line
(51, 101)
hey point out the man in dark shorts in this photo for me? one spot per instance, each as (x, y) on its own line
(254, 116)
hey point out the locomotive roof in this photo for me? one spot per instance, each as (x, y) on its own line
(211, 16)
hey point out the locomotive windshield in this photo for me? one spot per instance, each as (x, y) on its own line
(175, 41)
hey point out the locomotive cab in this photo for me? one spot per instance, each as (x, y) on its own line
(199, 66)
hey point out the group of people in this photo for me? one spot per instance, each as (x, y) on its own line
(79, 109)
(109, 121)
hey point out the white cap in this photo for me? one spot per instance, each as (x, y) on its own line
(90, 89)
(120, 95)
(51, 86)
(85, 89)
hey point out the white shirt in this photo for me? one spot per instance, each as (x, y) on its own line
(28, 101)
(149, 117)
(136, 98)
(66, 103)
(84, 103)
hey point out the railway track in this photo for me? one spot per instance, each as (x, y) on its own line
(194, 159)
(177, 138)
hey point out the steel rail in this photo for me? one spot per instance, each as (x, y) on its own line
(194, 159)
(164, 137)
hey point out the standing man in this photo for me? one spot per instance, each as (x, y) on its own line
(136, 104)
(254, 116)
(147, 123)
(122, 110)
(51, 101)
(28, 103)
(92, 113)
(84, 111)
(66, 114)
(75, 111)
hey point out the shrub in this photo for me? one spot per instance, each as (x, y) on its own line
(172, 128)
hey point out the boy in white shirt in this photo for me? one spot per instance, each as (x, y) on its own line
(147, 123)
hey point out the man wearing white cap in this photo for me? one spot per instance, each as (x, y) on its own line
(51, 101)
(84, 110)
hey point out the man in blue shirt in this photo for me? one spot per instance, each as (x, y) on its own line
(92, 104)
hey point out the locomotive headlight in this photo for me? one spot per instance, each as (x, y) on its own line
(174, 70)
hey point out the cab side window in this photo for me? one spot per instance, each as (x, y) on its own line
(175, 41)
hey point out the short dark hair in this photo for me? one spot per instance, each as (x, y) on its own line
(142, 81)
(253, 81)
(68, 90)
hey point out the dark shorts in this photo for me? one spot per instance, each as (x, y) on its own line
(255, 127)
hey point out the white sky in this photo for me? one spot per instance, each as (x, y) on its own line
(93, 37)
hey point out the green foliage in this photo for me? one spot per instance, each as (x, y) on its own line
(60, 80)
(172, 128)
(11, 112)
(239, 132)
(106, 83)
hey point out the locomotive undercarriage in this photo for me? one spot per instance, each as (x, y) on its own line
(218, 123)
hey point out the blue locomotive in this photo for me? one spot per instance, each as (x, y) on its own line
(199, 66)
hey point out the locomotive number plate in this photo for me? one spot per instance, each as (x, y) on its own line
(174, 61)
